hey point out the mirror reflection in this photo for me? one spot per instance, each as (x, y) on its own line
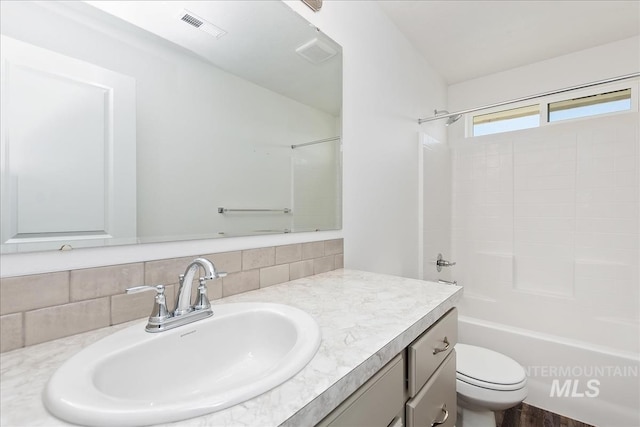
(134, 122)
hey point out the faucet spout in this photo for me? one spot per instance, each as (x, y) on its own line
(183, 303)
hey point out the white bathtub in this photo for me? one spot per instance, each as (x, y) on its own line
(594, 385)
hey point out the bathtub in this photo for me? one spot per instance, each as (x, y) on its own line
(595, 385)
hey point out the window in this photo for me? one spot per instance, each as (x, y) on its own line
(586, 106)
(507, 120)
(553, 108)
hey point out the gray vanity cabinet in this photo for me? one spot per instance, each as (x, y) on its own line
(378, 403)
(431, 375)
(415, 389)
(435, 403)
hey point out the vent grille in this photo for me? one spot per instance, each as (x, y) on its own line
(201, 24)
(191, 20)
(316, 51)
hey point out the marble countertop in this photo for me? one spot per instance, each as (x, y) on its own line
(366, 319)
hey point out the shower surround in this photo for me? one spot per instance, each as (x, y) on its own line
(545, 231)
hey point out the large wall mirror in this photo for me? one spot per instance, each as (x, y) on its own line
(149, 121)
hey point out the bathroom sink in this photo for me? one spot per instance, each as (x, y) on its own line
(138, 378)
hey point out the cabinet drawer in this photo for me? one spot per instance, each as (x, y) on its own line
(427, 352)
(436, 401)
(376, 403)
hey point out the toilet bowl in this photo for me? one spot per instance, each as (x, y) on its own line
(486, 381)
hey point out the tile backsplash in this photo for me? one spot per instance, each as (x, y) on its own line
(43, 307)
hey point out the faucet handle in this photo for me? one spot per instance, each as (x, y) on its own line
(159, 312)
(158, 288)
(215, 275)
(202, 303)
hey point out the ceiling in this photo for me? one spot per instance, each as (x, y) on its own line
(467, 39)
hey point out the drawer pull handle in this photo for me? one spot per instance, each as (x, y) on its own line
(445, 348)
(444, 418)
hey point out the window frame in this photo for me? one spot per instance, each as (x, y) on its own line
(543, 104)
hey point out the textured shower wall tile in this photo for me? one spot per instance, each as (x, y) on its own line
(274, 275)
(237, 283)
(99, 282)
(32, 292)
(312, 250)
(258, 258)
(324, 264)
(137, 306)
(228, 262)
(166, 271)
(333, 247)
(61, 321)
(11, 332)
(288, 253)
(301, 269)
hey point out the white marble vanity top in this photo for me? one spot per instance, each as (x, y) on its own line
(365, 318)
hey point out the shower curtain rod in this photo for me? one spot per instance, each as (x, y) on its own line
(526, 98)
(320, 141)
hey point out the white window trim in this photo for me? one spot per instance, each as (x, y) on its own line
(543, 103)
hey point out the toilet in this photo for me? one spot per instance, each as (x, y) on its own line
(486, 381)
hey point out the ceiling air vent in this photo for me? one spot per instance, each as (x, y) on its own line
(201, 24)
(191, 20)
(316, 51)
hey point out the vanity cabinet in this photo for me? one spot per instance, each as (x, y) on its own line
(378, 403)
(415, 389)
(435, 403)
(431, 375)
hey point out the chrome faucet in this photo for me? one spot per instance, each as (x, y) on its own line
(183, 303)
(162, 319)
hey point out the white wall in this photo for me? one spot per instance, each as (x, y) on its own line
(546, 233)
(609, 60)
(387, 86)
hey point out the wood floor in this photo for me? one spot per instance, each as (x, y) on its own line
(525, 415)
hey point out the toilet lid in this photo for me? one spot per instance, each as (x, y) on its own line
(489, 369)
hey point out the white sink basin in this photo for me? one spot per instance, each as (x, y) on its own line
(138, 378)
